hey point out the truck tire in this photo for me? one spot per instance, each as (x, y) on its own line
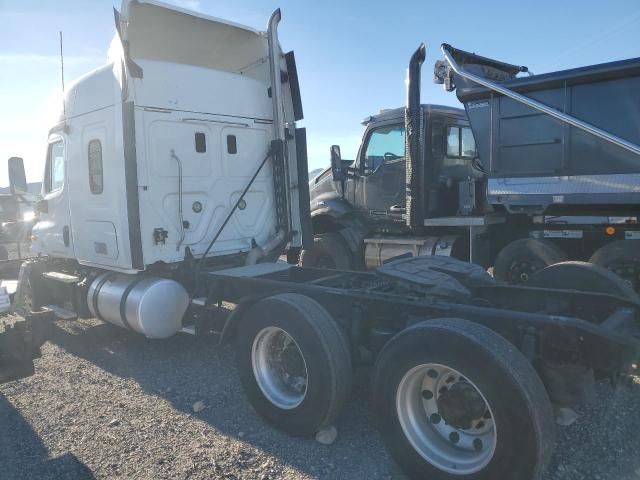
(294, 363)
(454, 400)
(522, 258)
(585, 277)
(329, 251)
(623, 258)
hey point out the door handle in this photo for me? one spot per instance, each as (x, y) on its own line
(397, 209)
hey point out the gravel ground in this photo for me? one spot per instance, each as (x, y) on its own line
(107, 403)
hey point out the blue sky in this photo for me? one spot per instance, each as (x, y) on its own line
(352, 55)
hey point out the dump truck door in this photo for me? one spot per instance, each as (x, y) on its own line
(379, 184)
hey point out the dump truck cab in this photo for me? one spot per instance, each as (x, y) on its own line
(416, 187)
(374, 187)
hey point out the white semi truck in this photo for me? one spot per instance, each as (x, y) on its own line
(175, 178)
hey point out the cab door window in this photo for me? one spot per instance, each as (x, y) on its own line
(384, 144)
(54, 174)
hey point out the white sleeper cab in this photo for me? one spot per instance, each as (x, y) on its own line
(152, 150)
(180, 150)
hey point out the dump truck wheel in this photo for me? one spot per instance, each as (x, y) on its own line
(294, 363)
(585, 277)
(329, 251)
(455, 400)
(522, 258)
(622, 258)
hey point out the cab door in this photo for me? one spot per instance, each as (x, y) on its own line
(379, 186)
(53, 231)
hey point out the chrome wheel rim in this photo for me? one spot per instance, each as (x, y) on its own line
(446, 418)
(279, 368)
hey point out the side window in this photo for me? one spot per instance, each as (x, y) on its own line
(467, 143)
(460, 142)
(54, 170)
(201, 142)
(453, 142)
(383, 145)
(96, 176)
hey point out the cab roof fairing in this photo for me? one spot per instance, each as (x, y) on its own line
(153, 30)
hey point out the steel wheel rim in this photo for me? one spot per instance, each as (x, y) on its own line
(279, 368)
(453, 450)
(522, 268)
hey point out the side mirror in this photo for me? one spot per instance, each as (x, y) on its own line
(17, 177)
(336, 164)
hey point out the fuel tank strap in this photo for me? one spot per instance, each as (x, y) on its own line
(96, 292)
(123, 301)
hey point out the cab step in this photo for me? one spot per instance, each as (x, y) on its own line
(62, 313)
(61, 277)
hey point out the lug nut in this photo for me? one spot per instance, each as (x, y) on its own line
(477, 444)
(435, 418)
(427, 394)
(454, 437)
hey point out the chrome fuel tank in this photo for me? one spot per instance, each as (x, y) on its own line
(152, 306)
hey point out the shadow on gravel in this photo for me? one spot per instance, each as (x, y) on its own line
(23, 455)
(184, 370)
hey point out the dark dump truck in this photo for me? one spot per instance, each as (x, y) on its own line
(536, 170)
(465, 370)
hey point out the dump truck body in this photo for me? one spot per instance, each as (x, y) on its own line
(534, 160)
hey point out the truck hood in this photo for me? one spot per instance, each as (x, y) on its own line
(153, 30)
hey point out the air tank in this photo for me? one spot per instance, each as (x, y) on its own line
(152, 306)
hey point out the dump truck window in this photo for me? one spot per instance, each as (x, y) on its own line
(55, 167)
(460, 142)
(467, 143)
(453, 142)
(383, 144)
(96, 177)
